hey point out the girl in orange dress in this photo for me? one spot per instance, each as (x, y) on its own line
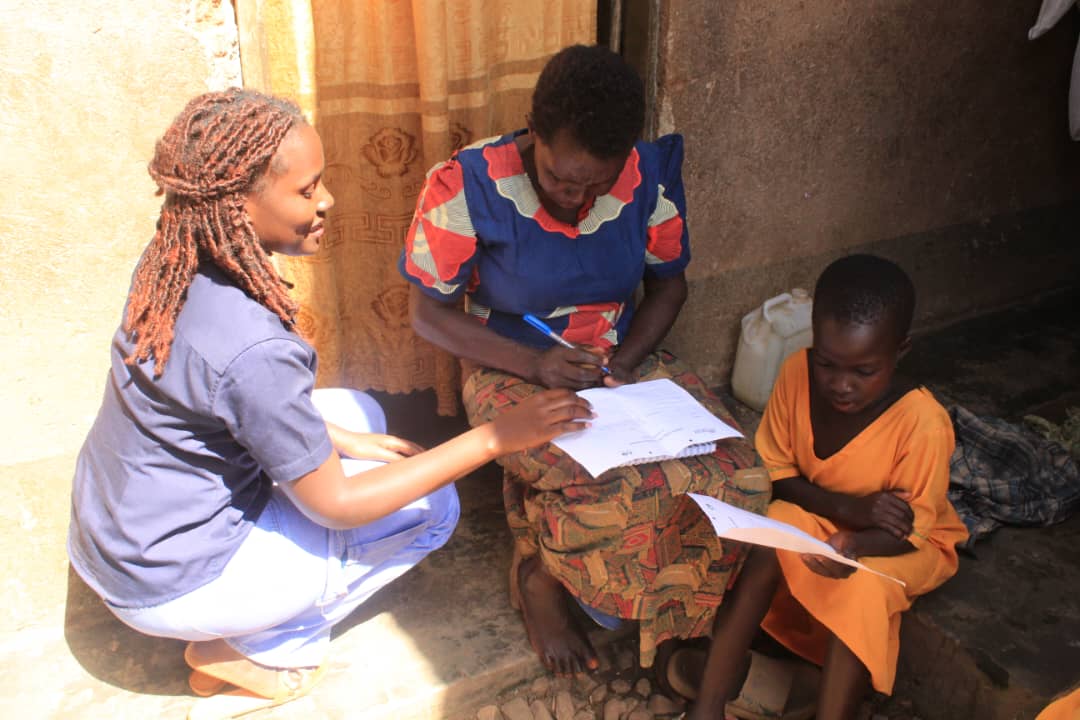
(859, 457)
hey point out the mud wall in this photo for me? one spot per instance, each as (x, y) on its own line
(88, 87)
(930, 132)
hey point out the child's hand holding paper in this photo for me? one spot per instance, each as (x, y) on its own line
(736, 524)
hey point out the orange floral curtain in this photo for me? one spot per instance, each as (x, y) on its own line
(393, 87)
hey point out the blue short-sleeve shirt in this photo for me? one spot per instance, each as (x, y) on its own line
(176, 469)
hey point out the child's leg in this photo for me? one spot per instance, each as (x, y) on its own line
(737, 621)
(844, 682)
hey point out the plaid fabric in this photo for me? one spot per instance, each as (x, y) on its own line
(1004, 474)
(628, 543)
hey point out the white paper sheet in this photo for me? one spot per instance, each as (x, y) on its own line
(736, 524)
(643, 422)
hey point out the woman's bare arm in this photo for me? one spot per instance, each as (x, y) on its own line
(335, 501)
(448, 327)
(653, 318)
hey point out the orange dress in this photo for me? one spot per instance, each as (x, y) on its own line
(1064, 708)
(907, 447)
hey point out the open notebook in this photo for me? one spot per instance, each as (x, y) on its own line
(643, 422)
(737, 524)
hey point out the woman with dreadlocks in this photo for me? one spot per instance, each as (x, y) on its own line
(218, 498)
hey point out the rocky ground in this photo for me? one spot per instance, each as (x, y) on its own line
(621, 690)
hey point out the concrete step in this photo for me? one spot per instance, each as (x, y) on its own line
(1002, 637)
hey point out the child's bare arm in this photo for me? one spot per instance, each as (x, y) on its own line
(887, 511)
(873, 542)
(856, 544)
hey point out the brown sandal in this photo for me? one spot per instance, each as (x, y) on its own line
(205, 685)
(777, 689)
(685, 667)
(258, 686)
(233, 704)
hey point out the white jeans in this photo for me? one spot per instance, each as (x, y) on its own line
(291, 580)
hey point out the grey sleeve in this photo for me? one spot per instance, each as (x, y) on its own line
(264, 399)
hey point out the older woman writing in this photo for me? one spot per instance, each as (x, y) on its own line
(564, 220)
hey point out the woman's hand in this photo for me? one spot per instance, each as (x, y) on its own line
(372, 446)
(887, 510)
(620, 374)
(561, 367)
(540, 418)
(843, 542)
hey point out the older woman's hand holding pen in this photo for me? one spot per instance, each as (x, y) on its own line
(566, 365)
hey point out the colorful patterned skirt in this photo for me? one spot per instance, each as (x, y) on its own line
(628, 543)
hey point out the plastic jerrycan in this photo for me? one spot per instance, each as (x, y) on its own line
(769, 334)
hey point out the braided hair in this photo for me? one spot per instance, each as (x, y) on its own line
(216, 152)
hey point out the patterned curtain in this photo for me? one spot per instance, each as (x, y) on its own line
(393, 87)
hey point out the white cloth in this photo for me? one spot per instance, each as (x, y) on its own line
(1049, 13)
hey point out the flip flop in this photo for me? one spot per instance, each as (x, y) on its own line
(215, 665)
(684, 669)
(777, 690)
(239, 702)
(205, 685)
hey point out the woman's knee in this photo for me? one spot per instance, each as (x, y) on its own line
(350, 409)
(445, 510)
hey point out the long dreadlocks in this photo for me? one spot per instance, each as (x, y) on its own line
(215, 153)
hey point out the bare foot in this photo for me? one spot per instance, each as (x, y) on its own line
(563, 647)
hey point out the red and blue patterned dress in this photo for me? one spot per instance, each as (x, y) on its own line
(480, 230)
(628, 543)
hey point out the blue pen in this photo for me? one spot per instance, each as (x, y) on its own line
(542, 327)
